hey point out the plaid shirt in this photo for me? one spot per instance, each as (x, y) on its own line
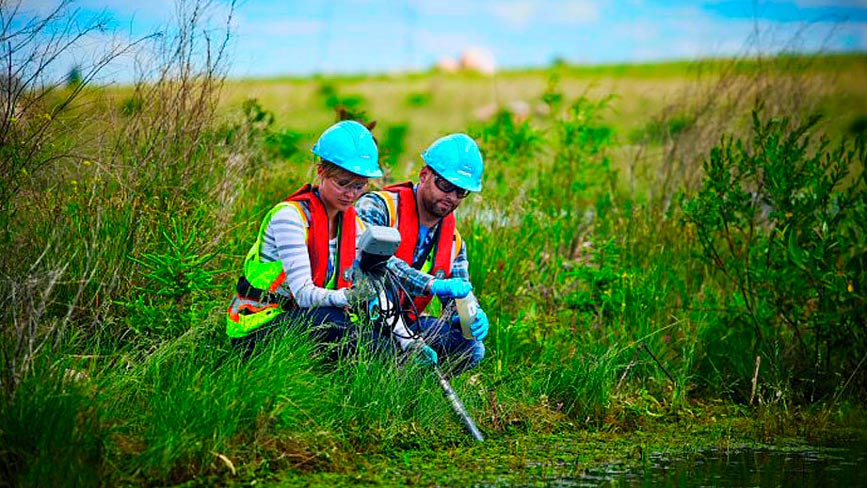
(374, 211)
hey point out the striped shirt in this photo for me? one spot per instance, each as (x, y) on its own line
(285, 240)
(373, 210)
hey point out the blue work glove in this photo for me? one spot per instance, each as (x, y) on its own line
(451, 288)
(479, 328)
(427, 356)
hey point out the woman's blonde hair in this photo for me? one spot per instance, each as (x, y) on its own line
(332, 171)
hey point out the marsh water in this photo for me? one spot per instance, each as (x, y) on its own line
(843, 466)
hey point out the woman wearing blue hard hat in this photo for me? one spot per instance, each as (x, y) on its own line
(300, 265)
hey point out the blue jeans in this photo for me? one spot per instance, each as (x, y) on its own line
(449, 344)
(330, 327)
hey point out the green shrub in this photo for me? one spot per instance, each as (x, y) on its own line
(858, 126)
(781, 221)
(661, 131)
(176, 283)
(393, 144)
(418, 99)
(283, 144)
(131, 106)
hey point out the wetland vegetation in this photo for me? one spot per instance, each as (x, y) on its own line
(672, 256)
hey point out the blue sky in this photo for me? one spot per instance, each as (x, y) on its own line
(287, 37)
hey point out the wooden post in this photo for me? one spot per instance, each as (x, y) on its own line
(755, 379)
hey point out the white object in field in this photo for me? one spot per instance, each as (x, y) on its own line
(478, 59)
(468, 307)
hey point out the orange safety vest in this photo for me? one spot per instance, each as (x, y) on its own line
(253, 301)
(317, 238)
(407, 225)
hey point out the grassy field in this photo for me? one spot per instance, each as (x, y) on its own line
(437, 103)
(666, 250)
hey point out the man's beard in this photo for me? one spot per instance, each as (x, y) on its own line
(437, 210)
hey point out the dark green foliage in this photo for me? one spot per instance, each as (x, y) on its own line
(782, 222)
(256, 128)
(598, 283)
(352, 105)
(393, 145)
(580, 159)
(858, 127)
(50, 432)
(131, 106)
(178, 271)
(283, 144)
(256, 115)
(73, 78)
(662, 131)
(418, 99)
(175, 280)
(552, 96)
(505, 138)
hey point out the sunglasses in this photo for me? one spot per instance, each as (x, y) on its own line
(350, 186)
(447, 186)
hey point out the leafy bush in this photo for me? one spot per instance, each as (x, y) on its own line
(782, 222)
(858, 126)
(504, 138)
(393, 144)
(283, 144)
(661, 131)
(353, 105)
(418, 99)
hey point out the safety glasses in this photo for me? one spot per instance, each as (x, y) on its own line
(353, 187)
(447, 186)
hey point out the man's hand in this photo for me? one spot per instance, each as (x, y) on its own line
(479, 327)
(427, 356)
(451, 288)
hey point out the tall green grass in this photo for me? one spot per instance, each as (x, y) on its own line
(608, 299)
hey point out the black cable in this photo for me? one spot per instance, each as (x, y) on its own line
(393, 309)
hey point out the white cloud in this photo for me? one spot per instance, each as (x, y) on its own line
(125, 8)
(33, 7)
(576, 12)
(282, 28)
(443, 43)
(638, 31)
(517, 14)
(445, 8)
(829, 3)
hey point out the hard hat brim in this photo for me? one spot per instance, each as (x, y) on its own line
(361, 167)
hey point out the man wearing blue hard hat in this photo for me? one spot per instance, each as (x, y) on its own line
(299, 267)
(432, 257)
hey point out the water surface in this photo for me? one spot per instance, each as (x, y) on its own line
(844, 466)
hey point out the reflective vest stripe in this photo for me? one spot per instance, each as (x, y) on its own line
(303, 214)
(389, 203)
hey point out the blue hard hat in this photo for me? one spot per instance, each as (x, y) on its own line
(350, 145)
(456, 158)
